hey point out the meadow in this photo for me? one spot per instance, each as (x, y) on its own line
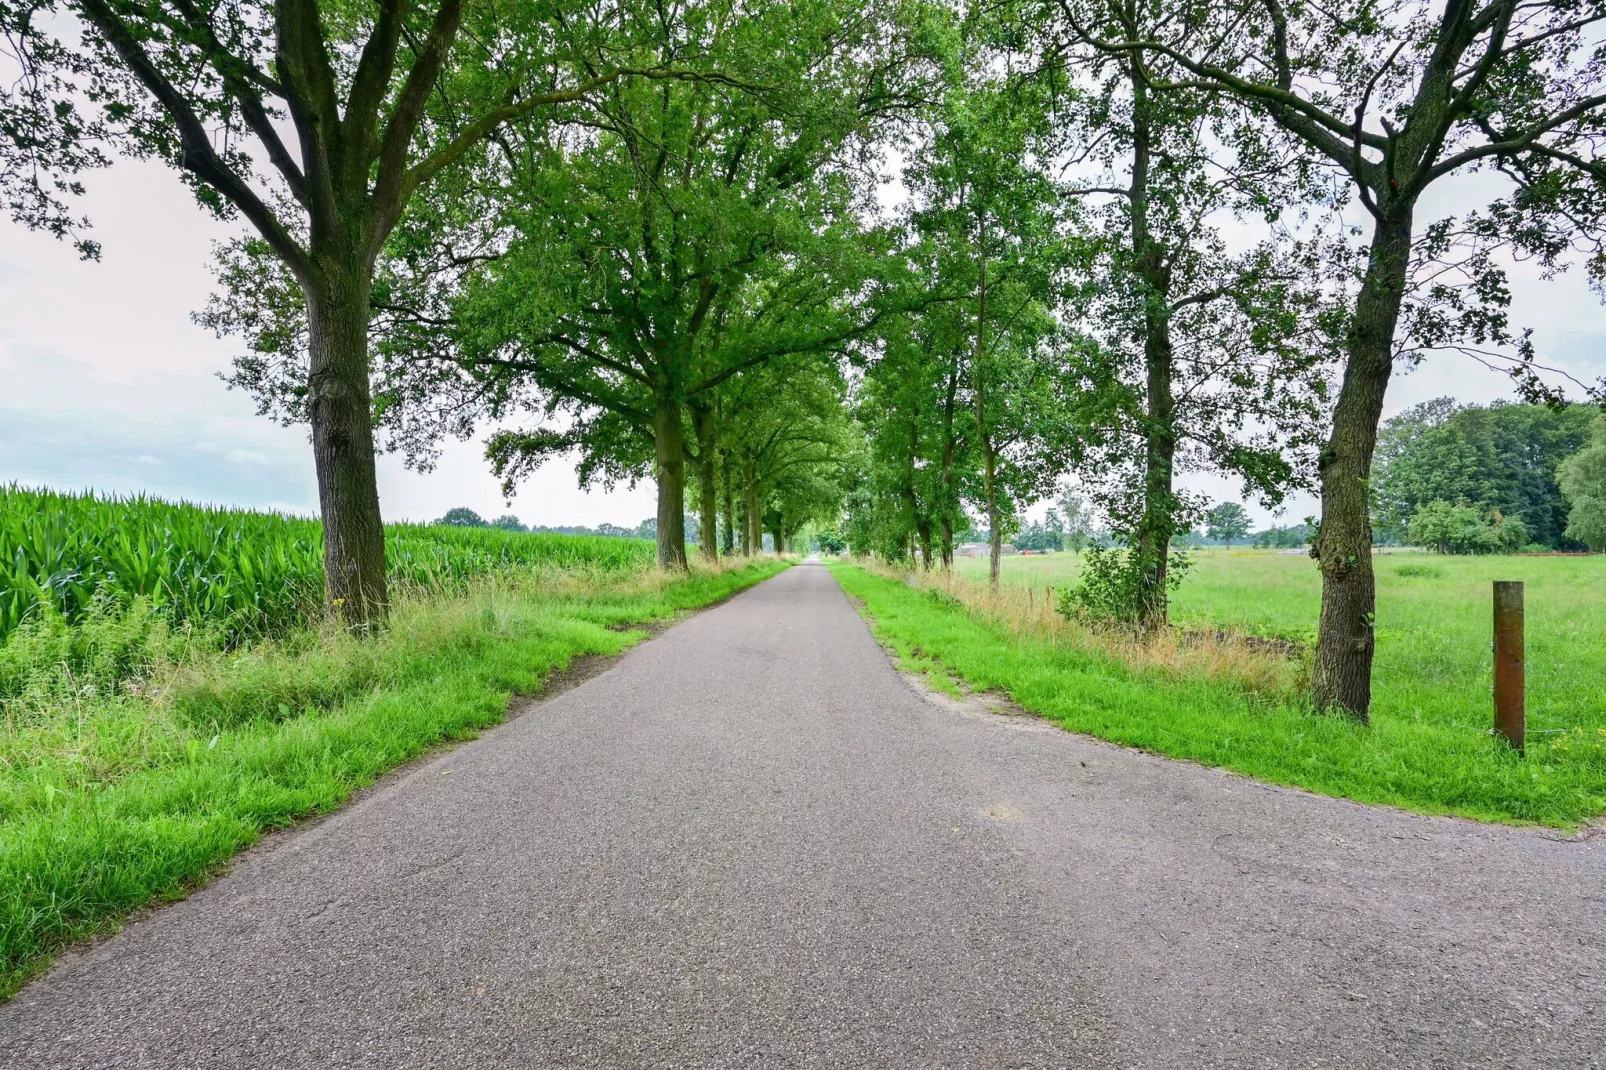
(1240, 704)
(170, 688)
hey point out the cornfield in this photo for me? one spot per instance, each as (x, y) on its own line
(246, 574)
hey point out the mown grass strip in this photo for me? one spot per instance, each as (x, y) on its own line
(255, 740)
(1417, 764)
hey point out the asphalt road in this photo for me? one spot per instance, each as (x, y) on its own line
(751, 843)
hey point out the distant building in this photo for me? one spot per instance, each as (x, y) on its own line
(981, 549)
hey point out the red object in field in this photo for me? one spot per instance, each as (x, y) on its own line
(1509, 700)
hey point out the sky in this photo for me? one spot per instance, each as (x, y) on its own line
(106, 384)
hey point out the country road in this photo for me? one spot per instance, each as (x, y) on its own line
(751, 843)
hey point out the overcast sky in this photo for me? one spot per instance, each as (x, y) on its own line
(106, 384)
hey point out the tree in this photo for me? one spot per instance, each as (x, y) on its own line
(1583, 480)
(46, 139)
(1205, 358)
(463, 517)
(1226, 522)
(1464, 528)
(620, 279)
(983, 201)
(379, 107)
(509, 522)
(1454, 87)
(1077, 520)
(1504, 456)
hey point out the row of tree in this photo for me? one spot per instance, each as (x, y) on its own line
(1126, 239)
(1482, 479)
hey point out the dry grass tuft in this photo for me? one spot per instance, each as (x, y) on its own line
(1229, 658)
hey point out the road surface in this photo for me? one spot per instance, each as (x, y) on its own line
(751, 843)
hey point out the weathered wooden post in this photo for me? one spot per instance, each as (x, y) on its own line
(1509, 711)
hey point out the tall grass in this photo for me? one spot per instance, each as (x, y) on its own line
(1229, 658)
(238, 574)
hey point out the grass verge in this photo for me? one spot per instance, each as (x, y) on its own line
(115, 797)
(1231, 721)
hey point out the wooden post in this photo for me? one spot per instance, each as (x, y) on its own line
(1509, 711)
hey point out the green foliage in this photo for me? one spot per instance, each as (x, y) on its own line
(1278, 537)
(464, 517)
(1227, 522)
(1461, 528)
(236, 573)
(1505, 456)
(1113, 585)
(1582, 478)
(1045, 534)
(111, 797)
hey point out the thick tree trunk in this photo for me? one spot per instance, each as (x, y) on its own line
(669, 441)
(730, 507)
(775, 537)
(339, 408)
(1343, 545)
(1153, 542)
(707, 482)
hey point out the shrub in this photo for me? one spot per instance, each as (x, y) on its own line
(1465, 528)
(1111, 587)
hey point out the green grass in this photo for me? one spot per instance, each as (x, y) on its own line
(236, 573)
(1433, 625)
(1428, 748)
(140, 775)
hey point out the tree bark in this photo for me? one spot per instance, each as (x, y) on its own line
(752, 542)
(1155, 526)
(340, 410)
(1345, 640)
(669, 441)
(989, 468)
(946, 476)
(706, 423)
(730, 506)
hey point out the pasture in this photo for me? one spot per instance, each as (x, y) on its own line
(1189, 693)
(1433, 624)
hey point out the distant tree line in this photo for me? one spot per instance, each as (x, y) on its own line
(1482, 479)
(464, 517)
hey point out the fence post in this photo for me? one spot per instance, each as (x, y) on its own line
(1509, 712)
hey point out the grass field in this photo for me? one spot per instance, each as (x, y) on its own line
(160, 708)
(1429, 746)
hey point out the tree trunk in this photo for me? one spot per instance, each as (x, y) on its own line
(775, 536)
(922, 521)
(1155, 526)
(752, 518)
(730, 507)
(988, 457)
(945, 506)
(707, 481)
(669, 442)
(1343, 545)
(340, 410)
(994, 528)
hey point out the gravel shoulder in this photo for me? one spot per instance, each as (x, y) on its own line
(751, 843)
